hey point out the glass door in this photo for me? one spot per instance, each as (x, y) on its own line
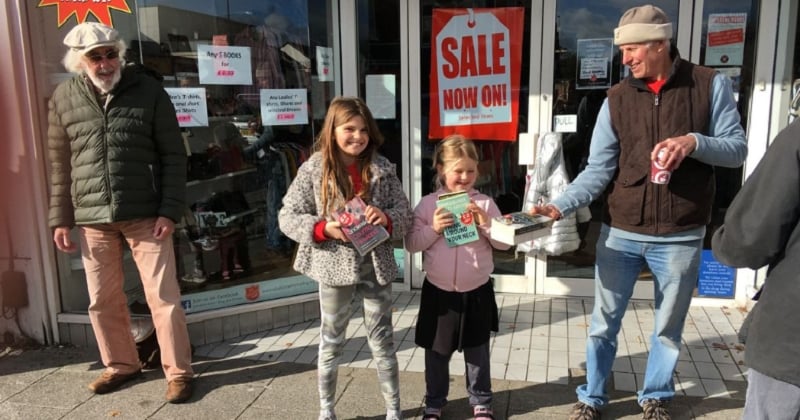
(581, 35)
(786, 88)
(501, 177)
(378, 65)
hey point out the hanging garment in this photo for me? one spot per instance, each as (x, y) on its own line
(546, 181)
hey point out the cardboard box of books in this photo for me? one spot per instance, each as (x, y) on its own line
(363, 235)
(518, 227)
(464, 230)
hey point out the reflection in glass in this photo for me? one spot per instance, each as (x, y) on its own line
(241, 154)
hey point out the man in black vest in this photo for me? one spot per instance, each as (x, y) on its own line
(685, 117)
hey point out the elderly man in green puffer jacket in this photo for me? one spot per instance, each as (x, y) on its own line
(119, 173)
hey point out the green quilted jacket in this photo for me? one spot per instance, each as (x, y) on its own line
(120, 162)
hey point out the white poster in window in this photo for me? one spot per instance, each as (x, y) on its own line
(284, 106)
(381, 96)
(222, 65)
(527, 148)
(325, 64)
(190, 106)
(725, 40)
(594, 63)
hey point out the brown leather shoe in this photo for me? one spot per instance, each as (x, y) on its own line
(581, 411)
(179, 390)
(108, 381)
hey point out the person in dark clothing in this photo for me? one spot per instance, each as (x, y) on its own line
(762, 228)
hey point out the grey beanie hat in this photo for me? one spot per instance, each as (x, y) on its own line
(642, 24)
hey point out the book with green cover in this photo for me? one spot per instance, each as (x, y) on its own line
(464, 230)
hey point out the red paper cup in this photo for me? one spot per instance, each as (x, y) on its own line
(658, 173)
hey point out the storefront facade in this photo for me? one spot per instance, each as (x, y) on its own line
(239, 70)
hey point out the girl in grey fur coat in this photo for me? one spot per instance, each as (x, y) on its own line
(347, 164)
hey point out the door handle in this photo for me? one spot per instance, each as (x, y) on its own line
(794, 106)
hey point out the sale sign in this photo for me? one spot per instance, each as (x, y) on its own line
(476, 60)
(100, 9)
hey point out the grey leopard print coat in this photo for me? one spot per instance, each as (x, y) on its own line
(333, 262)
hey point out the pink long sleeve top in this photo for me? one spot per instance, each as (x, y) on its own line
(461, 268)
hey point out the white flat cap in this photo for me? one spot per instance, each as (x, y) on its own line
(90, 35)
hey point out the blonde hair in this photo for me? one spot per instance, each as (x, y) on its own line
(452, 149)
(72, 58)
(336, 183)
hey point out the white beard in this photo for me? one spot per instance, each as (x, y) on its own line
(103, 85)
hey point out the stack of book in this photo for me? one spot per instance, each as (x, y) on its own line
(517, 227)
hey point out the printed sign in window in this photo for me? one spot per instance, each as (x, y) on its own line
(284, 106)
(716, 279)
(725, 39)
(475, 72)
(594, 63)
(221, 65)
(190, 106)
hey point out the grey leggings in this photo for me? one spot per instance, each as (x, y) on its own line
(770, 399)
(337, 305)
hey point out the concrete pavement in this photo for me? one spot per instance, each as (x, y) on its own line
(243, 379)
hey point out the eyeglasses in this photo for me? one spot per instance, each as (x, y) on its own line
(109, 55)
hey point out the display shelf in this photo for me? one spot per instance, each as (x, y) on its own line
(219, 177)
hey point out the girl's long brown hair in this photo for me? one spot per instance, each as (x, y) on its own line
(336, 183)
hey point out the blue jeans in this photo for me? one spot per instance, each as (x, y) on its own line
(674, 266)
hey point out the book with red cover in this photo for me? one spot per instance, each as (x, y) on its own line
(363, 235)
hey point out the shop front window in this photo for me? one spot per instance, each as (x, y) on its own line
(247, 81)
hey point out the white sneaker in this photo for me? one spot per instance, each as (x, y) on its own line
(394, 415)
(194, 277)
(327, 415)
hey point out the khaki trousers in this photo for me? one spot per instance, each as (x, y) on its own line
(101, 245)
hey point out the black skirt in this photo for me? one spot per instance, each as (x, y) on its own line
(450, 321)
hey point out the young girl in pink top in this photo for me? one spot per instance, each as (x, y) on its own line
(457, 309)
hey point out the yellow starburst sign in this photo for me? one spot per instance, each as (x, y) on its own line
(101, 9)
